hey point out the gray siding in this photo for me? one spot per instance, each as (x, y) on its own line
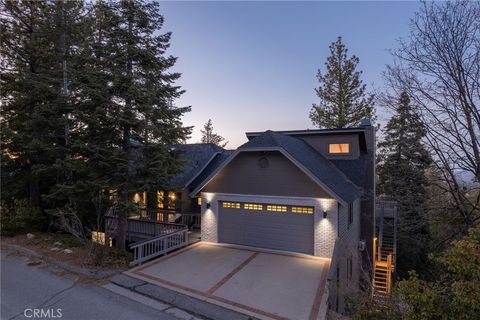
(281, 177)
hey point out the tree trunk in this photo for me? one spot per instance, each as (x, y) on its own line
(121, 234)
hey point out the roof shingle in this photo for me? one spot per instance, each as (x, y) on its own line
(319, 166)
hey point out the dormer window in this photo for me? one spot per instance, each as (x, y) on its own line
(339, 148)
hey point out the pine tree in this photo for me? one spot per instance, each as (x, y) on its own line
(208, 136)
(343, 97)
(402, 164)
(34, 107)
(126, 119)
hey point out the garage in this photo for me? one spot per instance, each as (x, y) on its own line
(272, 226)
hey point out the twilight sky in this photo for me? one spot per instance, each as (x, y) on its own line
(251, 66)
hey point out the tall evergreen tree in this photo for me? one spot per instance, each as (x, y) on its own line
(126, 119)
(208, 136)
(402, 164)
(33, 103)
(343, 97)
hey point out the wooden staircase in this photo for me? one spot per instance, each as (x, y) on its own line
(384, 251)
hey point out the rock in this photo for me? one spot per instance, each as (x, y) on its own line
(67, 251)
(58, 243)
(54, 249)
(30, 236)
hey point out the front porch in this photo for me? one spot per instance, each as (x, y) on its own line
(154, 232)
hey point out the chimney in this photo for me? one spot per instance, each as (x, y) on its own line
(365, 122)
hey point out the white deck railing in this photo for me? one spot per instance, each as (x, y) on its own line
(146, 250)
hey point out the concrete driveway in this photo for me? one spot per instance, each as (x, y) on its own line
(263, 284)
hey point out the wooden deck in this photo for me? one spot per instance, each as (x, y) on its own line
(150, 238)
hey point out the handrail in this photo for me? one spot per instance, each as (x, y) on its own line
(389, 273)
(146, 250)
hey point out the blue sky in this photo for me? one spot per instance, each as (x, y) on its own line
(251, 66)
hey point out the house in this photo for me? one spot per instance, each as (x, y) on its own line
(306, 191)
(309, 192)
(166, 204)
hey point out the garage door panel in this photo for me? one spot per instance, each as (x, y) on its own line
(267, 229)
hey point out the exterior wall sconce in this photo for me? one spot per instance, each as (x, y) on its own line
(208, 205)
(324, 214)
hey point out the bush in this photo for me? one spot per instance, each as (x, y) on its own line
(21, 218)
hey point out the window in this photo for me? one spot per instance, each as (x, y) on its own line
(276, 208)
(307, 210)
(160, 200)
(99, 237)
(172, 197)
(252, 206)
(339, 148)
(199, 201)
(350, 214)
(233, 205)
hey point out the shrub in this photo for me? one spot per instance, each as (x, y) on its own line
(21, 218)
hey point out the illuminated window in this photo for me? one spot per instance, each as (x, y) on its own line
(199, 201)
(252, 206)
(99, 237)
(171, 200)
(234, 205)
(276, 208)
(339, 148)
(140, 198)
(307, 210)
(160, 195)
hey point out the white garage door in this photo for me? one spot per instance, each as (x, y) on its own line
(279, 227)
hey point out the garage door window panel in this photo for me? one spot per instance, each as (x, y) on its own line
(276, 208)
(253, 206)
(302, 210)
(231, 205)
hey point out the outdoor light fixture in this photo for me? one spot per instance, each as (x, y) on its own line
(324, 214)
(208, 205)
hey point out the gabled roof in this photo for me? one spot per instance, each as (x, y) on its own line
(217, 160)
(320, 169)
(196, 157)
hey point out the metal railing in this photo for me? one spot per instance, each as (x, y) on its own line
(146, 250)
